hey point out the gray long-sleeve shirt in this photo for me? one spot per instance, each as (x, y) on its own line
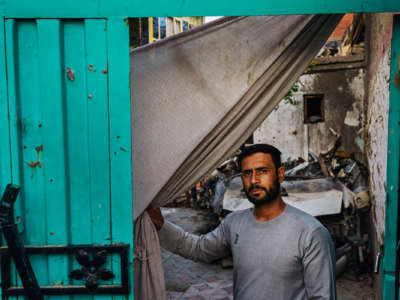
(290, 257)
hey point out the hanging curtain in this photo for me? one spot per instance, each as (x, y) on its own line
(196, 97)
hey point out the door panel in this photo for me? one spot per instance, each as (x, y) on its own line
(64, 102)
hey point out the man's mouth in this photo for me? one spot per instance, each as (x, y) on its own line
(256, 191)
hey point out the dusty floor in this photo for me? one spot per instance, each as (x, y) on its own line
(188, 280)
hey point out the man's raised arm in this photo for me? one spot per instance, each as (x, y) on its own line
(205, 248)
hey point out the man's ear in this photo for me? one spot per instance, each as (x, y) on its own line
(281, 174)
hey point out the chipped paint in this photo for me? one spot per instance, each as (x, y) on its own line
(36, 163)
(39, 149)
(356, 85)
(353, 116)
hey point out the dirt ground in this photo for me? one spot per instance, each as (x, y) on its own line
(188, 280)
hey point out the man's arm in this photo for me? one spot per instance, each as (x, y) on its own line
(205, 248)
(319, 265)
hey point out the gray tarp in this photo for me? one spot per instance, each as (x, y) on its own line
(196, 97)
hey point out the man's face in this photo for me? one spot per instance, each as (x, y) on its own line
(260, 178)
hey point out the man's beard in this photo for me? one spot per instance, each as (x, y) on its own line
(270, 194)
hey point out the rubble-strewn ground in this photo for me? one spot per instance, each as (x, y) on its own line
(188, 280)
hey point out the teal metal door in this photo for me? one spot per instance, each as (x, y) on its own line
(66, 140)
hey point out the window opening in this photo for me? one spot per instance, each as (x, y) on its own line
(313, 108)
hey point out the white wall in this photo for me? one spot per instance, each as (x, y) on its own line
(377, 114)
(284, 129)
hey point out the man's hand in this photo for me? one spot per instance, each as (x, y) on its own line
(156, 216)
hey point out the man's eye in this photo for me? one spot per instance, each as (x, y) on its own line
(246, 173)
(263, 171)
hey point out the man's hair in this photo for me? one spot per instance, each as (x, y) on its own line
(264, 148)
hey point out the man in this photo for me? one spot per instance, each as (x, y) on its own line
(279, 252)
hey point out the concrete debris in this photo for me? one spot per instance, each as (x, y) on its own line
(305, 170)
(349, 225)
(209, 192)
(362, 200)
(317, 197)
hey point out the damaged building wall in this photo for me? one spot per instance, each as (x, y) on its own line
(284, 128)
(379, 34)
(377, 95)
(342, 92)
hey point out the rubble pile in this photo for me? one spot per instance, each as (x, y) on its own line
(203, 194)
(349, 224)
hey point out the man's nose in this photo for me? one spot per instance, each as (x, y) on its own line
(254, 177)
